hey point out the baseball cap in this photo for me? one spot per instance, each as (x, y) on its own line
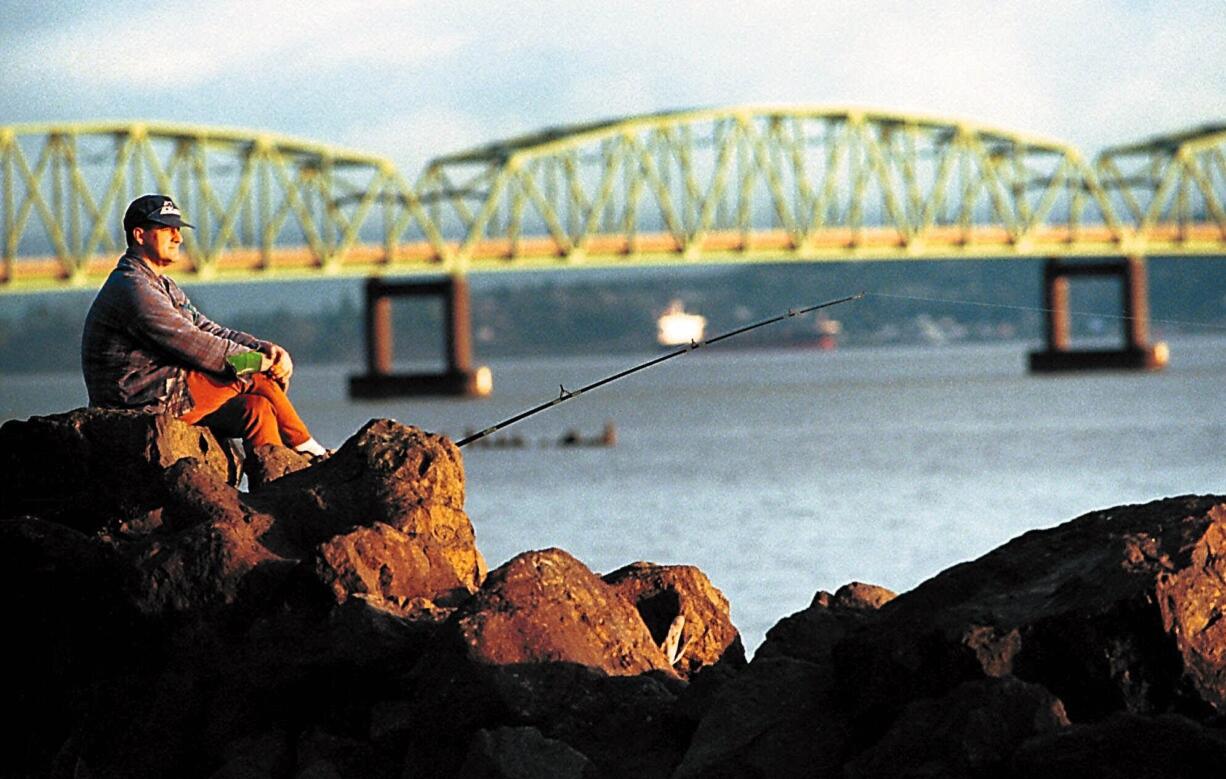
(158, 209)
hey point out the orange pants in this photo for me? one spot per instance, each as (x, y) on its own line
(255, 409)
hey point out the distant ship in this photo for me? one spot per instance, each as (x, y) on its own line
(828, 331)
(675, 327)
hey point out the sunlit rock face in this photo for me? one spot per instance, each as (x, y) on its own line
(687, 616)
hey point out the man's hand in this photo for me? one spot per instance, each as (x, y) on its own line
(280, 366)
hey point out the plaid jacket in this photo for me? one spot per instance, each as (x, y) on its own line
(141, 336)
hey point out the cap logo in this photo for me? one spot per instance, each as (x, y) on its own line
(169, 208)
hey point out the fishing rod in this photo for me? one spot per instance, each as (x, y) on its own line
(565, 394)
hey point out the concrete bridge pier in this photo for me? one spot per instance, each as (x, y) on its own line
(1136, 353)
(459, 378)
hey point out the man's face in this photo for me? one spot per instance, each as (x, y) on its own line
(159, 243)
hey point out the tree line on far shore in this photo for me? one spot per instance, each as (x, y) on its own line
(573, 314)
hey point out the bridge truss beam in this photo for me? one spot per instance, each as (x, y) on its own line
(737, 184)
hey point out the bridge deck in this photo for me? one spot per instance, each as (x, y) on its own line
(835, 244)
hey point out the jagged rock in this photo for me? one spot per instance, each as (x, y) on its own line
(386, 565)
(778, 718)
(1116, 610)
(704, 635)
(522, 753)
(546, 606)
(93, 467)
(762, 721)
(213, 542)
(386, 473)
(971, 732)
(595, 714)
(270, 462)
(545, 642)
(1163, 747)
(813, 633)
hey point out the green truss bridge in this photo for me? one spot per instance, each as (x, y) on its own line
(740, 184)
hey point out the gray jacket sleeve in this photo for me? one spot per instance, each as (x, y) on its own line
(238, 336)
(167, 324)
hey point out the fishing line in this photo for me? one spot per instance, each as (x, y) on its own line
(565, 394)
(1043, 310)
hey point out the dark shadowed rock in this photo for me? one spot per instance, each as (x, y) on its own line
(971, 732)
(753, 723)
(813, 633)
(704, 635)
(69, 624)
(257, 756)
(212, 541)
(92, 467)
(778, 718)
(1116, 610)
(595, 714)
(522, 753)
(1163, 747)
(324, 754)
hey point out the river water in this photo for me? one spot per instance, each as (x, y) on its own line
(779, 473)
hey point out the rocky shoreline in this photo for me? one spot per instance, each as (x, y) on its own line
(337, 620)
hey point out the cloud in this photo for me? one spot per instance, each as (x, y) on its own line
(412, 139)
(402, 77)
(183, 45)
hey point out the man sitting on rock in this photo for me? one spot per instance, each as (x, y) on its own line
(146, 346)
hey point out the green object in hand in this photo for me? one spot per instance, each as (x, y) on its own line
(244, 363)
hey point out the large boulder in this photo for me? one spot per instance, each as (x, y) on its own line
(387, 474)
(268, 462)
(594, 714)
(813, 633)
(206, 544)
(544, 643)
(1164, 747)
(197, 543)
(522, 753)
(684, 612)
(1118, 610)
(781, 716)
(546, 606)
(777, 718)
(973, 732)
(385, 565)
(94, 467)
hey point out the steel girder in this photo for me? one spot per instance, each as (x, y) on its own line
(750, 183)
(732, 184)
(263, 205)
(1172, 189)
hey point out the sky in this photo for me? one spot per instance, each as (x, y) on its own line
(413, 80)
